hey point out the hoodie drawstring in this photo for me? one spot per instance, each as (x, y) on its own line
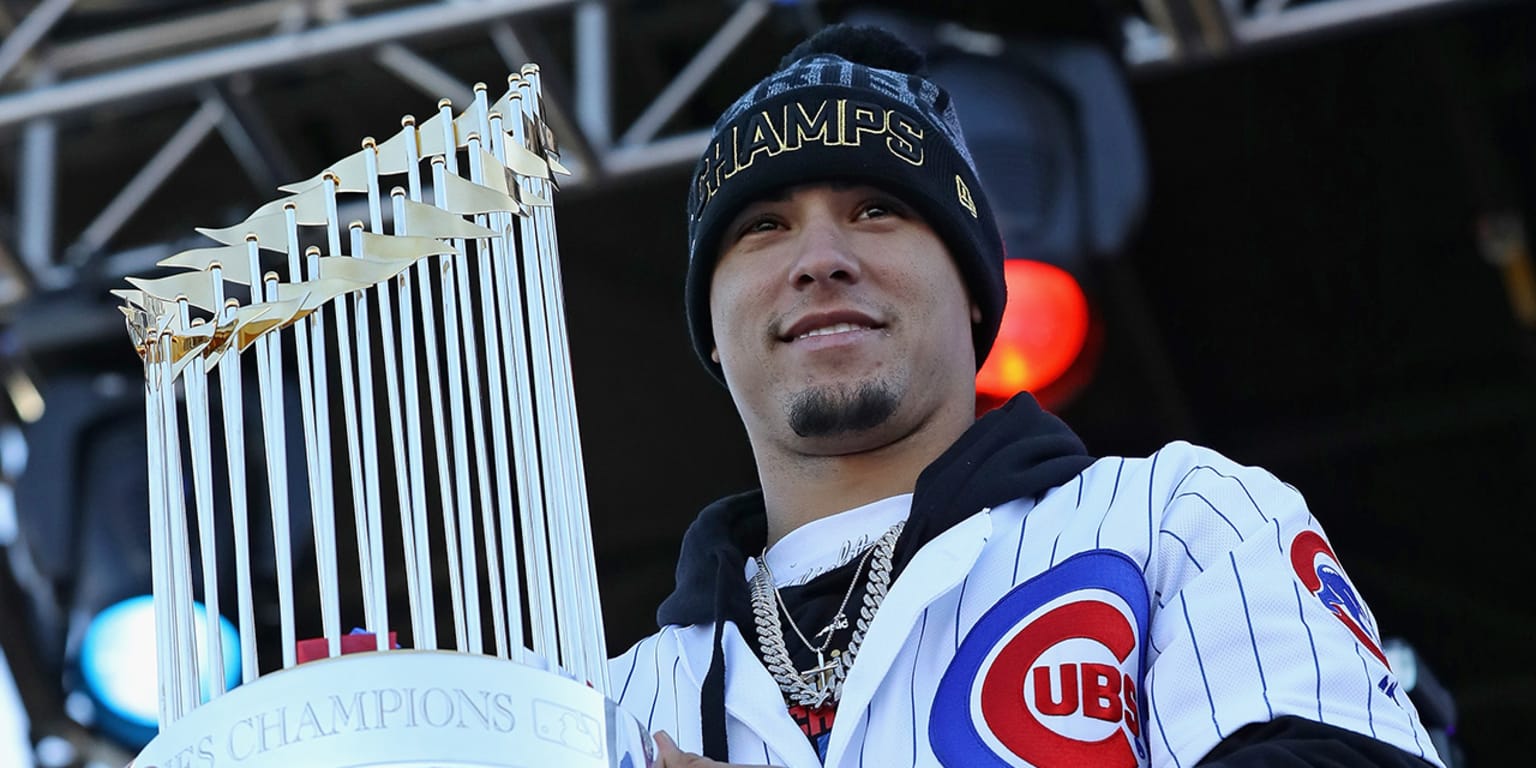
(712, 692)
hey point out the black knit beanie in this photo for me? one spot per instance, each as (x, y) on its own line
(850, 104)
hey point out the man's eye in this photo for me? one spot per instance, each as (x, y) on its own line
(876, 210)
(759, 224)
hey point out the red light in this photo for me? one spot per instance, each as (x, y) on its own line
(1044, 329)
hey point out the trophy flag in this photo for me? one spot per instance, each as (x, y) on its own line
(432, 337)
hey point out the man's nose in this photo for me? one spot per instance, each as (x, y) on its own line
(826, 256)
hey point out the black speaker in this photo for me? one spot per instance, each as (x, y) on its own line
(1053, 131)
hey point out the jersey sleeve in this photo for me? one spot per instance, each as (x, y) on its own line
(643, 682)
(1254, 619)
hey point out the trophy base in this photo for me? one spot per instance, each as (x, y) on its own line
(405, 709)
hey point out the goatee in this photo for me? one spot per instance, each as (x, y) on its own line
(837, 410)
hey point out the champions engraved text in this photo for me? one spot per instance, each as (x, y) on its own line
(350, 712)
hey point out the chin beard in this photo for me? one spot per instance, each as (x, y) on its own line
(838, 410)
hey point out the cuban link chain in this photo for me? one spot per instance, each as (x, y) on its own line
(814, 688)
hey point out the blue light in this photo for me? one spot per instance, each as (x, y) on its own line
(117, 661)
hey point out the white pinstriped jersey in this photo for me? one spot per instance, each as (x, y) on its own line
(1134, 616)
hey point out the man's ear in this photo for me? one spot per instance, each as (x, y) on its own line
(975, 314)
(714, 354)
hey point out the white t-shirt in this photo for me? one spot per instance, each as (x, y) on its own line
(829, 543)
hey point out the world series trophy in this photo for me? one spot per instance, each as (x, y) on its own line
(436, 328)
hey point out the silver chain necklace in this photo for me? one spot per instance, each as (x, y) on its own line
(824, 682)
(839, 619)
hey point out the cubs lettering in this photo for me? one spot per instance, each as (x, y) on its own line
(1056, 695)
(1106, 693)
(830, 122)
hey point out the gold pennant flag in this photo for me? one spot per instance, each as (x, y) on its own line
(188, 345)
(196, 286)
(532, 136)
(429, 136)
(277, 316)
(531, 199)
(363, 271)
(183, 353)
(145, 313)
(466, 123)
(505, 105)
(523, 162)
(429, 221)
(393, 158)
(544, 144)
(401, 248)
(498, 177)
(310, 205)
(466, 197)
(313, 294)
(504, 108)
(130, 295)
(271, 232)
(224, 334)
(137, 321)
(495, 173)
(550, 145)
(351, 175)
(235, 261)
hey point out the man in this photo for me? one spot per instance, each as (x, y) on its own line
(913, 586)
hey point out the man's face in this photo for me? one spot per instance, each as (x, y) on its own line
(840, 320)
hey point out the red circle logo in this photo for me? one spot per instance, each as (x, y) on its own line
(1056, 693)
(1050, 674)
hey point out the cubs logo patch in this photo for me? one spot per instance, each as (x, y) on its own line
(1320, 572)
(1051, 674)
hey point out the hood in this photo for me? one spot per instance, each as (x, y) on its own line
(1016, 451)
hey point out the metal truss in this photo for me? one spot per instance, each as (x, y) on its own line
(211, 59)
(215, 59)
(1174, 32)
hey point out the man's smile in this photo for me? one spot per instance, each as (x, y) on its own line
(839, 323)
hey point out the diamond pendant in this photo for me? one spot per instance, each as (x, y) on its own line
(824, 674)
(839, 622)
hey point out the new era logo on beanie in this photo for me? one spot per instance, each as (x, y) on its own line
(849, 104)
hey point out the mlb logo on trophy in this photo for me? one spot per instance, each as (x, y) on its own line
(1051, 675)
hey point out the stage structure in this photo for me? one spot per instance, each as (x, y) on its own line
(218, 61)
(428, 351)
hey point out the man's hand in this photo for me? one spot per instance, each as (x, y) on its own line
(669, 756)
